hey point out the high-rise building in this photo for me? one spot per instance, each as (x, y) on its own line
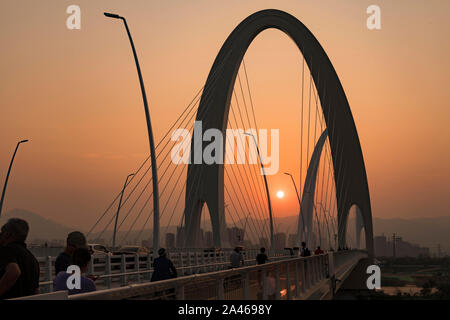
(264, 243)
(279, 240)
(170, 240)
(292, 240)
(181, 237)
(235, 236)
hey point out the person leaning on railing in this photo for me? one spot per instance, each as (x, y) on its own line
(19, 269)
(236, 258)
(163, 267)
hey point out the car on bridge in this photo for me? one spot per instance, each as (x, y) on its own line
(132, 250)
(95, 249)
(98, 251)
(130, 253)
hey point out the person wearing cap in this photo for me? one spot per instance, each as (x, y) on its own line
(163, 268)
(74, 241)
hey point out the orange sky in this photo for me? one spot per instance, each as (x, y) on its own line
(75, 95)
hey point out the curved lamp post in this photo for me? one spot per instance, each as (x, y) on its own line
(150, 137)
(7, 175)
(267, 191)
(118, 209)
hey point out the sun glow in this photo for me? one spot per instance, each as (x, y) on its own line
(280, 194)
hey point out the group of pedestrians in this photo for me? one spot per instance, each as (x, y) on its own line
(237, 258)
(20, 270)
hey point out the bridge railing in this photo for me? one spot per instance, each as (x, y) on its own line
(293, 278)
(120, 270)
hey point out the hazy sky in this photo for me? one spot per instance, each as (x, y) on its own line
(75, 94)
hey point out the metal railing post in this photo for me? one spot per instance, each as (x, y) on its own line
(108, 271)
(188, 261)
(220, 290)
(49, 273)
(180, 263)
(123, 269)
(311, 272)
(297, 284)
(322, 266)
(180, 292)
(331, 272)
(264, 280)
(149, 266)
(288, 282)
(314, 270)
(203, 263)
(277, 282)
(215, 261)
(246, 287)
(196, 261)
(304, 276)
(136, 268)
(319, 267)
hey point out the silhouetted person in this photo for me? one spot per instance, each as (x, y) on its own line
(163, 268)
(318, 251)
(74, 241)
(19, 269)
(80, 257)
(236, 258)
(305, 251)
(262, 258)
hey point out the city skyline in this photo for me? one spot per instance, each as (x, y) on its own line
(83, 116)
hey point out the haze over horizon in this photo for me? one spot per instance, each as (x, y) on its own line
(426, 232)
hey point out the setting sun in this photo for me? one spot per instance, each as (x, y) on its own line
(280, 194)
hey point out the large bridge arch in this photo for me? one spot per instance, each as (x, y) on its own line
(350, 174)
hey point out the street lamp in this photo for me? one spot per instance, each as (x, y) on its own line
(267, 191)
(299, 203)
(150, 137)
(7, 175)
(118, 209)
(295, 186)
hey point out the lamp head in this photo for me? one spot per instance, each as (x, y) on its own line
(23, 141)
(112, 15)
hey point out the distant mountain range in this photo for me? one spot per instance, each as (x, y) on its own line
(427, 232)
(40, 228)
